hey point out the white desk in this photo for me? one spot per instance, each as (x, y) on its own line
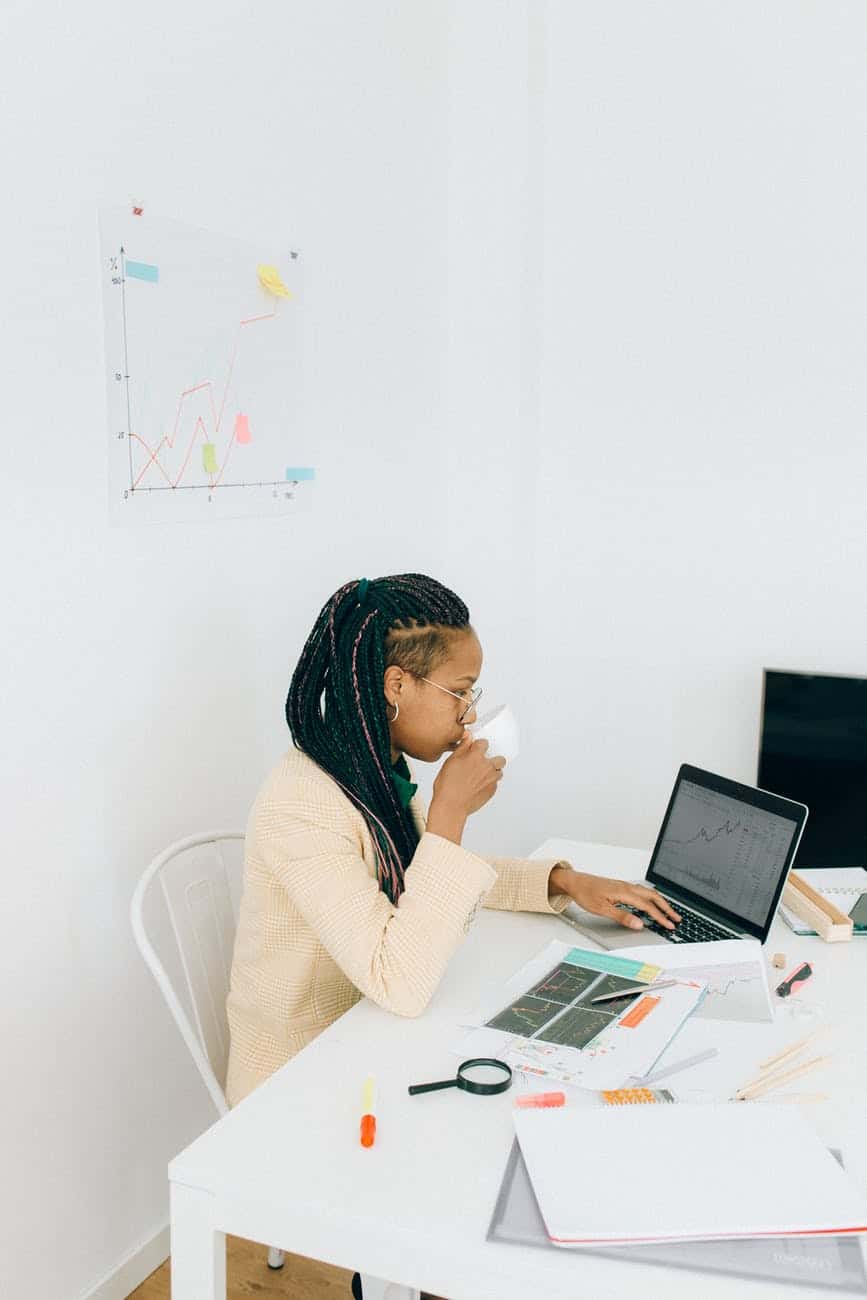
(285, 1168)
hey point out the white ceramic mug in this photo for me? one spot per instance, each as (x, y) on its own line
(499, 728)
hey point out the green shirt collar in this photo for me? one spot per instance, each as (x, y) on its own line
(401, 776)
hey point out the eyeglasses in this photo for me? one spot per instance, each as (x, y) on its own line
(470, 697)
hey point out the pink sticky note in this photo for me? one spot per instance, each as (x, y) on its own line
(209, 458)
(242, 428)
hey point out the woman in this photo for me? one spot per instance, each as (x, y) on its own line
(341, 867)
(348, 890)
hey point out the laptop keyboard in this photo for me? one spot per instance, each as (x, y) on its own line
(690, 929)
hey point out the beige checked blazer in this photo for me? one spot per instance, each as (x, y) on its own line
(316, 933)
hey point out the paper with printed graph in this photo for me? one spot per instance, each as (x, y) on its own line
(544, 1021)
(203, 373)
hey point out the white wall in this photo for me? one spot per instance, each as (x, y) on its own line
(487, 549)
(585, 340)
(704, 390)
(143, 672)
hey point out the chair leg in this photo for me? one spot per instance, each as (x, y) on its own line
(276, 1258)
(376, 1288)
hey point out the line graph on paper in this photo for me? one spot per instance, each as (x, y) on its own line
(735, 990)
(203, 373)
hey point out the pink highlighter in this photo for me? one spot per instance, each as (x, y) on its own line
(541, 1099)
(793, 982)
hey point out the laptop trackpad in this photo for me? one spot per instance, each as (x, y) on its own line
(608, 934)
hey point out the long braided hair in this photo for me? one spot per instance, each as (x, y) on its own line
(336, 707)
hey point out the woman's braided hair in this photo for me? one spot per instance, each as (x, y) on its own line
(336, 707)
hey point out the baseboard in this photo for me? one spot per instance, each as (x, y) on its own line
(132, 1271)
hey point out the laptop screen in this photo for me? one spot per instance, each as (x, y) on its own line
(728, 851)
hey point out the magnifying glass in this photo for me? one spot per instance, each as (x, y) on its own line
(482, 1075)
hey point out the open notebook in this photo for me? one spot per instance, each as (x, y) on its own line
(684, 1173)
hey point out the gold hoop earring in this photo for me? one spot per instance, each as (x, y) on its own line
(396, 712)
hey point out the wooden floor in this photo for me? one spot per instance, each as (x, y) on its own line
(249, 1275)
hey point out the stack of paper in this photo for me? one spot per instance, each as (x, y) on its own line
(783, 1260)
(683, 1173)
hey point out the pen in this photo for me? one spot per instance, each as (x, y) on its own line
(368, 1111)
(638, 988)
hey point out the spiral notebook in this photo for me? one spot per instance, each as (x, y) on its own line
(705, 1172)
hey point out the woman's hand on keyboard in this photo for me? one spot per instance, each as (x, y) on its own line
(613, 897)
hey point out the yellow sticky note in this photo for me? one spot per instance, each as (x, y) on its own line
(269, 278)
(209, 458)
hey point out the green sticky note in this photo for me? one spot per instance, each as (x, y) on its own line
(209, 458)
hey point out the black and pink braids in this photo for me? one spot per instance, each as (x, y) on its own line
(336, 708)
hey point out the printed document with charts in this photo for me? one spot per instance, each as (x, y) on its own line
(544, 1020)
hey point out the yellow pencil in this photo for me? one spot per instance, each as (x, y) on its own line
(766, 1076)
(792, 1048)
(799, 1098)
(762, 1085)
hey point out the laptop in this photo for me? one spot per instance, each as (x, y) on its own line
(721, 859)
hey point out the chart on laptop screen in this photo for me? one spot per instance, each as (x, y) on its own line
(726, 850)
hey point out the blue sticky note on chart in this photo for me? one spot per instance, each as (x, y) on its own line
(606, 963)
(300, 475)
(143, 271)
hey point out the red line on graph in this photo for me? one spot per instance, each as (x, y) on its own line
(168, 440)
(216, 482)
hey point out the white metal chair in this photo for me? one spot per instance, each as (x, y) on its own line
(201, 888)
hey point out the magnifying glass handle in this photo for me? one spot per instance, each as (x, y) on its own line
(431, 1087)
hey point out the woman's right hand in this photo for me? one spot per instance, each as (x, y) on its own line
(467, 779)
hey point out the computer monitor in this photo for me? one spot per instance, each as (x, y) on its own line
(813, 748)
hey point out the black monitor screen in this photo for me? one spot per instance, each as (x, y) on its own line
(814, 749)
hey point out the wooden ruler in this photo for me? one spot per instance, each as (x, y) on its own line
(807, 903)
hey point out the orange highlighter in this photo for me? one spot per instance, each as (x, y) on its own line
(368, 1111)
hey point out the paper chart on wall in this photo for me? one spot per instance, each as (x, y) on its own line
(542, 1020)
(203, 373)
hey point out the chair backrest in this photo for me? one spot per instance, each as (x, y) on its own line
(200, 878)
